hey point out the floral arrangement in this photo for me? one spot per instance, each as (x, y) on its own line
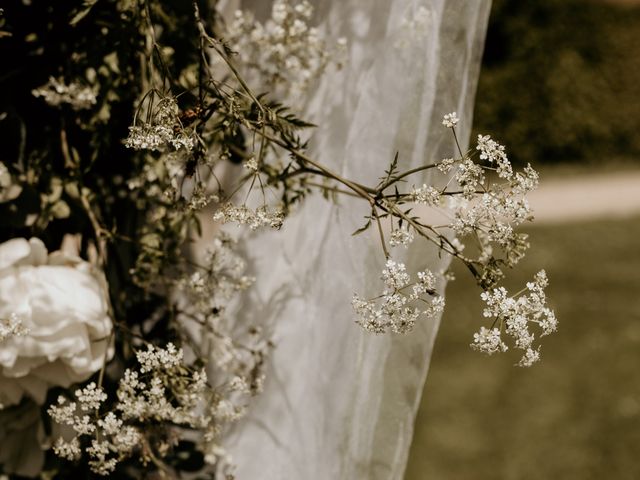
(118, 353)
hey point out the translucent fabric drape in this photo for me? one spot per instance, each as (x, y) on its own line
(339, 403)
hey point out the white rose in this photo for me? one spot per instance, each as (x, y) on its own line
(63, 303)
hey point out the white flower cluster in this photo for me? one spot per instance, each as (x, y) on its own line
(401, 236)
(161, 391)
(155, 358)
(414, 28)
(164, 133)
(111, 439)
(12, 327)
(487, 211)
(212, 287)
(243, 215)
(450, 120)
(393, 310)
(494, 153)
(251, 165)
(426, 195)
(492, 211)
(470, 176)
(286, 53)
(515, 314)
(446, 164)
(55, 92)
(235, 356)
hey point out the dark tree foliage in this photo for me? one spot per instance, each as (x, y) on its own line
(559, 80)
(75, 151)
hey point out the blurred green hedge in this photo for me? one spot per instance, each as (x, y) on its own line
(561, 80)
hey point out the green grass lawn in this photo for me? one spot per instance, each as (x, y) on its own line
(575, 415)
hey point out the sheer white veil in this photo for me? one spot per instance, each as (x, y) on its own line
(339, 403)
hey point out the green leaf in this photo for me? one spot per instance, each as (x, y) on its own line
(362, 229)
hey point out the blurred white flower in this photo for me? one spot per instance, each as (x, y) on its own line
(62, 301)
(56, 92)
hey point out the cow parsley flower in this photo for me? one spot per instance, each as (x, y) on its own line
(470, 176)
(426, 195)
(163, 133)
(243, 215)
(488, 341)
(68, 450)
(401, 236)
(161, 391)
(56, 92)
(285, 52)
(494, 153)
(450, 120)
(446, 164)
(525, 182)
(516, 315)
(394, 309)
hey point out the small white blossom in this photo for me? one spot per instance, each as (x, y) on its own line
(525, 182)
(243, 215)
(163, 133)
(446, 164)
(517, 315)
(450, 120)
(68, 450)
(488, 341)
(90, 397)
(395, 275)
(392, 311)
(530, 357)
(251, 164)
(401, 236)
(154, 357)
(494, 153)
(470, 176)
(285, 53)
(426, 195)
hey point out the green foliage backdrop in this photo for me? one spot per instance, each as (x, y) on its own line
(560, 80)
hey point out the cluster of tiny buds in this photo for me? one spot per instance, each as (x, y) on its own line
(285, 52)
(450, 120)
(515, 315)
(489, 212)
(394, 309)
(426, 195)
(111, 439)
(56, 93)
(254, 219)
(401, 236)
(161, 390)
(163, 133)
